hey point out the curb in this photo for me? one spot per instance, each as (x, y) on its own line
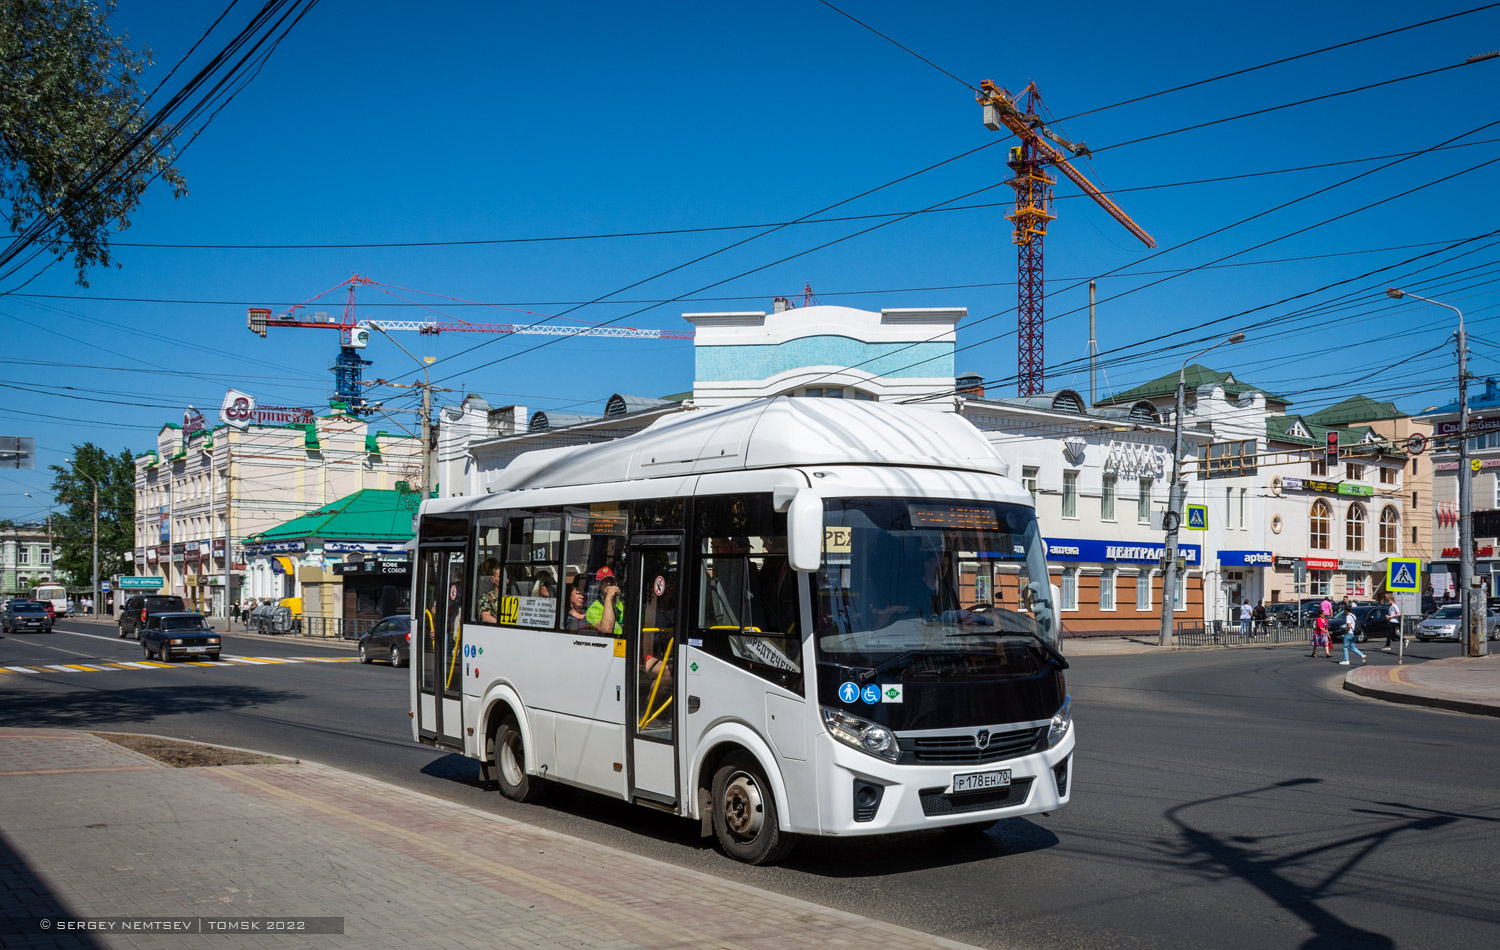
(1409, 698)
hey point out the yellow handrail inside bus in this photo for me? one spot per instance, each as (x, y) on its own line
(660, 671)
(453, 663)
(657, 713)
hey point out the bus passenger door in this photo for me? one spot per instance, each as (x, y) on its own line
(438, 616)
(651, 650)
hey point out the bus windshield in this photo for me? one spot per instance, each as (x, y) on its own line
(908, 578)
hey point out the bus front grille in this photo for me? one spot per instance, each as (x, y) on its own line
(935, 803)
(961, 749)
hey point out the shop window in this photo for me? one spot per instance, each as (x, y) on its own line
(1321, 582)
(1107, 590)
(1069, 588)
(1028, 481)
(1143, 591)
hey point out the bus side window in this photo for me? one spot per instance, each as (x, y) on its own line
(489, 555)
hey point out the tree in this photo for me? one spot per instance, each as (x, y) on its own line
(73, 526)
(74, 151)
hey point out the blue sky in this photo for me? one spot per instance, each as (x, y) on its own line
(389, 122)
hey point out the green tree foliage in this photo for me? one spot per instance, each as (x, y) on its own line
(71, 119)
(73, 521)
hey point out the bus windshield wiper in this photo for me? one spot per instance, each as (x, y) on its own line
(1062, 661)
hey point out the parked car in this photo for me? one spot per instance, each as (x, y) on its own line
(1370, 620)
(1445, 623)
(24, 615)
(169, 636)
(389, 639)
(139, 608)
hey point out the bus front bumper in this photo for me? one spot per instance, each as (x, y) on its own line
(917, 797)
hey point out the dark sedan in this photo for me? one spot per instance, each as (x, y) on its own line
(21, 615)
(389, 639)
(169, 636)
(1370, 620)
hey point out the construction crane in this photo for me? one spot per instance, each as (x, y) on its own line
(354, 333)
(1033, 187)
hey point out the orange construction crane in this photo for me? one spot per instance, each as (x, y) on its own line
(1033, 188)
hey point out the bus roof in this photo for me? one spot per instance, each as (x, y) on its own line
(766, 433)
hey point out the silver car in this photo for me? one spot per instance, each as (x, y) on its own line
(1444, 624)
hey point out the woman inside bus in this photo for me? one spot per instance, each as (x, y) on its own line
(489, 601)
(576, 619)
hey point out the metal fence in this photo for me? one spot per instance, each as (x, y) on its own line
(334, 628)
(1225, 633)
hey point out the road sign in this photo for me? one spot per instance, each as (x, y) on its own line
(1332, 452)
(1403, 575)
(1417, 444)
(1475, 465)
(1197, 517)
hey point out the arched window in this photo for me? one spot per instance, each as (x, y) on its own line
(1354, 528)
(1390, 529)
(1318, 525)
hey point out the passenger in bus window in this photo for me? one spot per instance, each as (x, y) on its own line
(608, 612)
(543, 586)
(576, 618)
(489, 601)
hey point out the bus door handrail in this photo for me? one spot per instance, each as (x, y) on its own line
(661, 670)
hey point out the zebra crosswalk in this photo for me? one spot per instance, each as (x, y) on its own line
(128, 665)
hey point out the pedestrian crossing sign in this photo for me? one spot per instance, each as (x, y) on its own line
(1403, 575)
(1197, 517)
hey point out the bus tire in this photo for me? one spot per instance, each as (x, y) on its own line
(510, 764)
(745, 814)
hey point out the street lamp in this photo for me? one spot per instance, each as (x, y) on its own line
(51, 552)
(1177, 496)
(1472, 612)
(95, 595)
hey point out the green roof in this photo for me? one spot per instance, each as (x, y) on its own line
(1195, 375)
(1356, 409)
(373, 514)
(1280, 429)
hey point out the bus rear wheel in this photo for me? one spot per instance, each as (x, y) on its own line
(510, 764)
(745, 819)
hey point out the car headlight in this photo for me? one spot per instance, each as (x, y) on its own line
(213, 640)
(175, 643)
(861, 734)
(1062, 721)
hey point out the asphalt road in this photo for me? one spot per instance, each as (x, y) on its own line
(1225, 798)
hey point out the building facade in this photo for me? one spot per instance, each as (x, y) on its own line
(201, 491)
(25, 558)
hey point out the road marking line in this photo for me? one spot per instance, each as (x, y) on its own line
(20, 669)
(317, 659)
(61, 668)
(96, 666)
(148, 663)
(271, 659)
(132, 664)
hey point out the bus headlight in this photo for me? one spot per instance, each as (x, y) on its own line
(1062, 720)
(862, 734)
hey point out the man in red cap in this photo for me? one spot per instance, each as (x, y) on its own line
(607, 614)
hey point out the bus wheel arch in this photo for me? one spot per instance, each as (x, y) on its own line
(734, 745)
(502, 706)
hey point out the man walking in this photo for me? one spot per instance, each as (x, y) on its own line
(1393, 632)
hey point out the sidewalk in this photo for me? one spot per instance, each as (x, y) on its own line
(1462, 684)
(91, 829)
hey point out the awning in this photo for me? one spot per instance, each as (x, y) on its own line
(283, 565)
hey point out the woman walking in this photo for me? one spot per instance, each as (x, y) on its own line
(1320, 636)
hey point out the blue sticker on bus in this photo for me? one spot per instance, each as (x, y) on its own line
(849, 692)
(872, 694)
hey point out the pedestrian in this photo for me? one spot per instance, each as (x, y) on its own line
(1245, 616)
(1393, 632)
(1326, 607)
(1350, 640)
(1320, 636)
(1259, 616)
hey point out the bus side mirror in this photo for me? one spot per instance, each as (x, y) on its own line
(804, 531)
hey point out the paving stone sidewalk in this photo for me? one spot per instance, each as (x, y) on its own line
(90, 829)
(1462, 684)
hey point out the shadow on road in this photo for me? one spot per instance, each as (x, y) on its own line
(1214, 855)
(29, 901)
(87, 707)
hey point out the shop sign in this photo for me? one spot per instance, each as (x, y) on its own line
(1487, 551)
(1450, 552)
(1136, 460)
(192, 423)
(151, 555)
(1245, 558)
(1477, 424)
(374, 567)
(276, 547)
(364, 547)
(218, 547)
(1286, 563)
(164, 525)
(1350, 565)
(1453, 466)
(140, 583)
(1322, 563)
(191, 554)
(1088, 549)
(239, 410)
(1358, 491)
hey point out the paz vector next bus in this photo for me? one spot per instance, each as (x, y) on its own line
(790, 617)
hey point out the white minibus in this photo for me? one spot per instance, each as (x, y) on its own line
(792, 617)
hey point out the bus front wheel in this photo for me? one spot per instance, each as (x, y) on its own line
(510, 764)
(745, 814)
